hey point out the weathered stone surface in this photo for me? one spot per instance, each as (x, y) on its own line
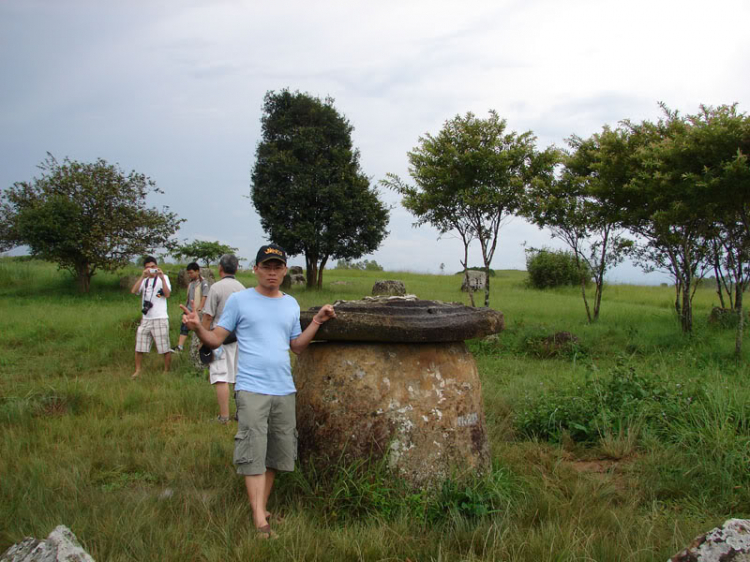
(292, 279)
(405, 319)
(389, 287)
(475, 281)
(726, 317)
(418, 405)
(61, 546)
(728, 543)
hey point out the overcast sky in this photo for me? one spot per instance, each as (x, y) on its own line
(174, 89)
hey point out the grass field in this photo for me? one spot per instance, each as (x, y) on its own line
(621, 446)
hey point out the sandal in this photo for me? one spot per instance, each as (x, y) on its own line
(265, 532)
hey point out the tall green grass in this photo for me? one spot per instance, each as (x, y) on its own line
(621, 445)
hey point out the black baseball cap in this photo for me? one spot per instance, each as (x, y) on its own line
(206, 354)
(270, 252)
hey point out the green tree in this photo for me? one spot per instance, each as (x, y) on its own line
(85, 217)
(576, 210)
(666, 207)
(208, 252)
(717, 145)
(471, 177)
(307, 185)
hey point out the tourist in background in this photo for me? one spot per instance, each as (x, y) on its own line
(196, 295)
(222, 370)
(154, 288)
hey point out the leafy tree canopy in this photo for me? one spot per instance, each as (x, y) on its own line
(202, 250)
(307, 185)
(471, 176)
(577, 210)
(85, 217)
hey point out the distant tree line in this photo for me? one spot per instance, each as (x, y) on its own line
(363, 265)
(673, 194)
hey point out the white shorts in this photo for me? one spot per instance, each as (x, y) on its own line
(155, 330)
(224, 368)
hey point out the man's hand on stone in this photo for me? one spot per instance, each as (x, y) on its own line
(325, 313)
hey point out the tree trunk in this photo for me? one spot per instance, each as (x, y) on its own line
(738, 287)
(719, 291)
(83, 277)
(598, 298)
(486, 285)
(465, 263)
(740, 325)
(322, 266)
(585, 300)
(311, 271)
(686, 318)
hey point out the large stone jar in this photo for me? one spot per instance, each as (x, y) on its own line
(417, 404)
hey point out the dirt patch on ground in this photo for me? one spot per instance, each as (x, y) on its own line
(601, 466)
(613, 472)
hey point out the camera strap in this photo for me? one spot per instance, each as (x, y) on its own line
(153, 290)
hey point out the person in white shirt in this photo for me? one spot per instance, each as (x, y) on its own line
(154, 288)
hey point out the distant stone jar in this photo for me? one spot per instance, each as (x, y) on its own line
(292, 280)
(414, 399)
(389, 287)
(472, 281)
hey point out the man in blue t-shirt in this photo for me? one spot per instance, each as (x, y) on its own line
(266, 323)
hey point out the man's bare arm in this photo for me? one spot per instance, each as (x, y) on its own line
(299, 344)
(212, 338)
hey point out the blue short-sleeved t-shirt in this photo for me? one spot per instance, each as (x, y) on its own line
(264, 326)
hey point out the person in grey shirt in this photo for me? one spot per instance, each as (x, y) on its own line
(196, 294)
(223, 369)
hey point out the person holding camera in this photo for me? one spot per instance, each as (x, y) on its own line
(154, 288)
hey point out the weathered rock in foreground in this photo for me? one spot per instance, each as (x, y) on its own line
(61, 546)
(389, 287)
(405, 319)
(728, 543)
(419, 405)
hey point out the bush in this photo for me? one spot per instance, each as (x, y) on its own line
(607, 405)
(553, 268)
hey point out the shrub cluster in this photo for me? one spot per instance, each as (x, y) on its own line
(554, 268)
(606, 405)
